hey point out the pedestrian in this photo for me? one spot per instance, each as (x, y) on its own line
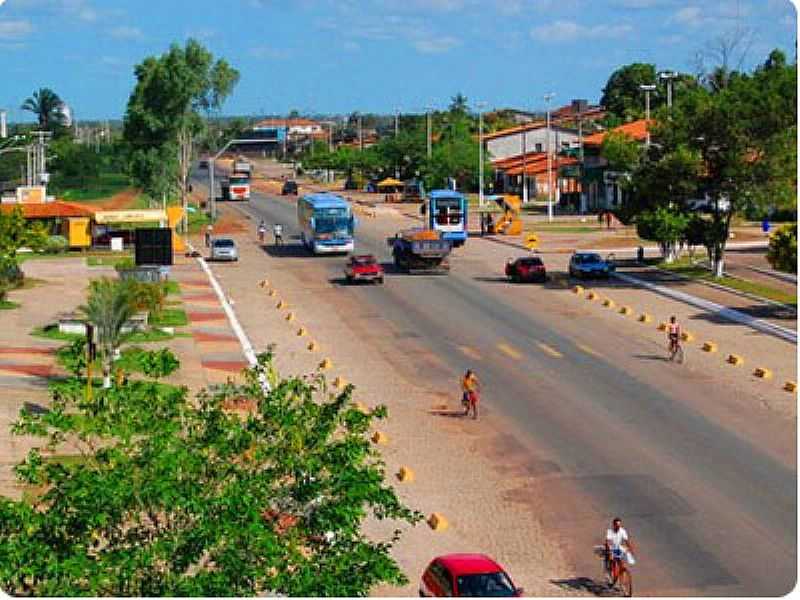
(483, 224)
(608, 219)
(490, 224)
(765, 225)
(470, 387)
(209, 231)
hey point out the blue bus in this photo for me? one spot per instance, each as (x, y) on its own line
(326, 223)
(447, 213)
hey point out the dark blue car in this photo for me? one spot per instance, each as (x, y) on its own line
(589, 264)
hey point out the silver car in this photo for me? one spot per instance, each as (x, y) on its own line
(224, 249)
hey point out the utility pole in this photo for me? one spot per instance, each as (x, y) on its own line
(360, 134)
(524, 166)
(647, 88)
(547, 98)
(428, 122)
(481, 106)
(396, 131)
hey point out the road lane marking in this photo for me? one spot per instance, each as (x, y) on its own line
(509, 351)
(470, 352)
(588, 350)
(549, 350)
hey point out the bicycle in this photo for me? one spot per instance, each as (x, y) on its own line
(261, 233)
(675, 351)
(617, 574)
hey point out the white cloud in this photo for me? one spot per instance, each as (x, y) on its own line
(268, 53)
(15, 29)
(688, 15)
(436, 45)
(566, 31)
(126, 32)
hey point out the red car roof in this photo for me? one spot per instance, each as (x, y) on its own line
(469, 564)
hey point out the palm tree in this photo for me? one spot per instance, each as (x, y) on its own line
(108, 308)
(46, 105)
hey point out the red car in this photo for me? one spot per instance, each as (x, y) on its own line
(465, 575)
(364, 267)
(526, 268)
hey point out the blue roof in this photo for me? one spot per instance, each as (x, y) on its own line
(325, 200)
(445, 194)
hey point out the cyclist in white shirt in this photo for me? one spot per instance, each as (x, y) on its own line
(618, 542)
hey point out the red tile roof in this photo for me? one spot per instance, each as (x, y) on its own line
(513, 130)
(50, 210)
(534, 163)
(635, 129)
(285, 123)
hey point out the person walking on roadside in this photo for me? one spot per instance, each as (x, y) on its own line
(262, 231)
(209, 232)
(277, 231)
(470, 387)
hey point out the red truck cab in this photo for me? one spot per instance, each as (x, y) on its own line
(363, 267)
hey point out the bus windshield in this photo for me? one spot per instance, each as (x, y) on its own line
(448, 211)
(332, 220)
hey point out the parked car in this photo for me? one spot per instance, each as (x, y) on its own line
(465, 575)
(364, 267)
(526, 268)
(224, 249)
(589, 264)
(289, 187)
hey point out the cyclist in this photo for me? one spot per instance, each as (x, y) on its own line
(262, 230)
(470, 387)
(674, 336)
(277, 231)
(618, 543)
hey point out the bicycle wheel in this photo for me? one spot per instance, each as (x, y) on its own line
(626, 583)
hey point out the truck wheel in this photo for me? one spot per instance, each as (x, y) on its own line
(380, 280)
(349, 280)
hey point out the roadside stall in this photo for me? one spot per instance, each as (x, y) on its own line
(393, 189)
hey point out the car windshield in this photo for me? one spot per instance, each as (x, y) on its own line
(364, 260)
(238, 180)
(226, 243)
(530, 262)
(588, 259)
(486, 585)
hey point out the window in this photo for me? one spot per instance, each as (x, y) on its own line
(486, 585)
(539, 147)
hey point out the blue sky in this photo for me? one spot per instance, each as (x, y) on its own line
(337, 56)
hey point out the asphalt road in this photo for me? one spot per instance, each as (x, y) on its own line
(708, 494)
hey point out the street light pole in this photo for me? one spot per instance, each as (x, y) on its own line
(647, 88)
(396, 131)
(547, 98)
(360, 134)
(481, 106)
(524, 166)
(668, 76)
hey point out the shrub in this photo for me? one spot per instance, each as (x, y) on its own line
(782, 253)
(664, 226)
(56, 244)
(125, 264)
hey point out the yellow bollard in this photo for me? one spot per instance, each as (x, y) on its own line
(592, 296)
(687, 336)
(339, 382)
(626, 310)
(301, 332)
(380, 438)
(790, 386)
(762, 373)
(405, 474)
(645, 318)
(577, 289)
(735, 360)
(290, 316)
(312, 346)
(609, 303)
(325, 363)
(271, 293)
(437, 522)
(709, 347)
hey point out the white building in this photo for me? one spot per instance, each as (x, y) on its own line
(531, 137)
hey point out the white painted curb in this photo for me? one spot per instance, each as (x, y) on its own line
(244, 341)
(717, 309)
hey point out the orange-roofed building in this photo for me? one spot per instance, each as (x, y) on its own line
(636, 130)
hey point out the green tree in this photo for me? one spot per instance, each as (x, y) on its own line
(622, 96)
(16, 232)
(244, 493)
(622, 152)
(108, 308)
(46, 105)
(782, 253)
(163, 117)
(664, 226)
(158, 363)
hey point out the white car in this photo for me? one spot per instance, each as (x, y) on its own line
(224, 249)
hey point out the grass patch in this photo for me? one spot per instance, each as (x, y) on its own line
(169, 317)
(8, 305)
(110, 260)
(198, 219)
(686, 268)
(153, 335)
(51, 332)
(99, 188)
(172, 287)
(566, 228)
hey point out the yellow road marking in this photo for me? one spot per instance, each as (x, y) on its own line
(549, 350)
(470, 352)
(588, 350)
(509, 351)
